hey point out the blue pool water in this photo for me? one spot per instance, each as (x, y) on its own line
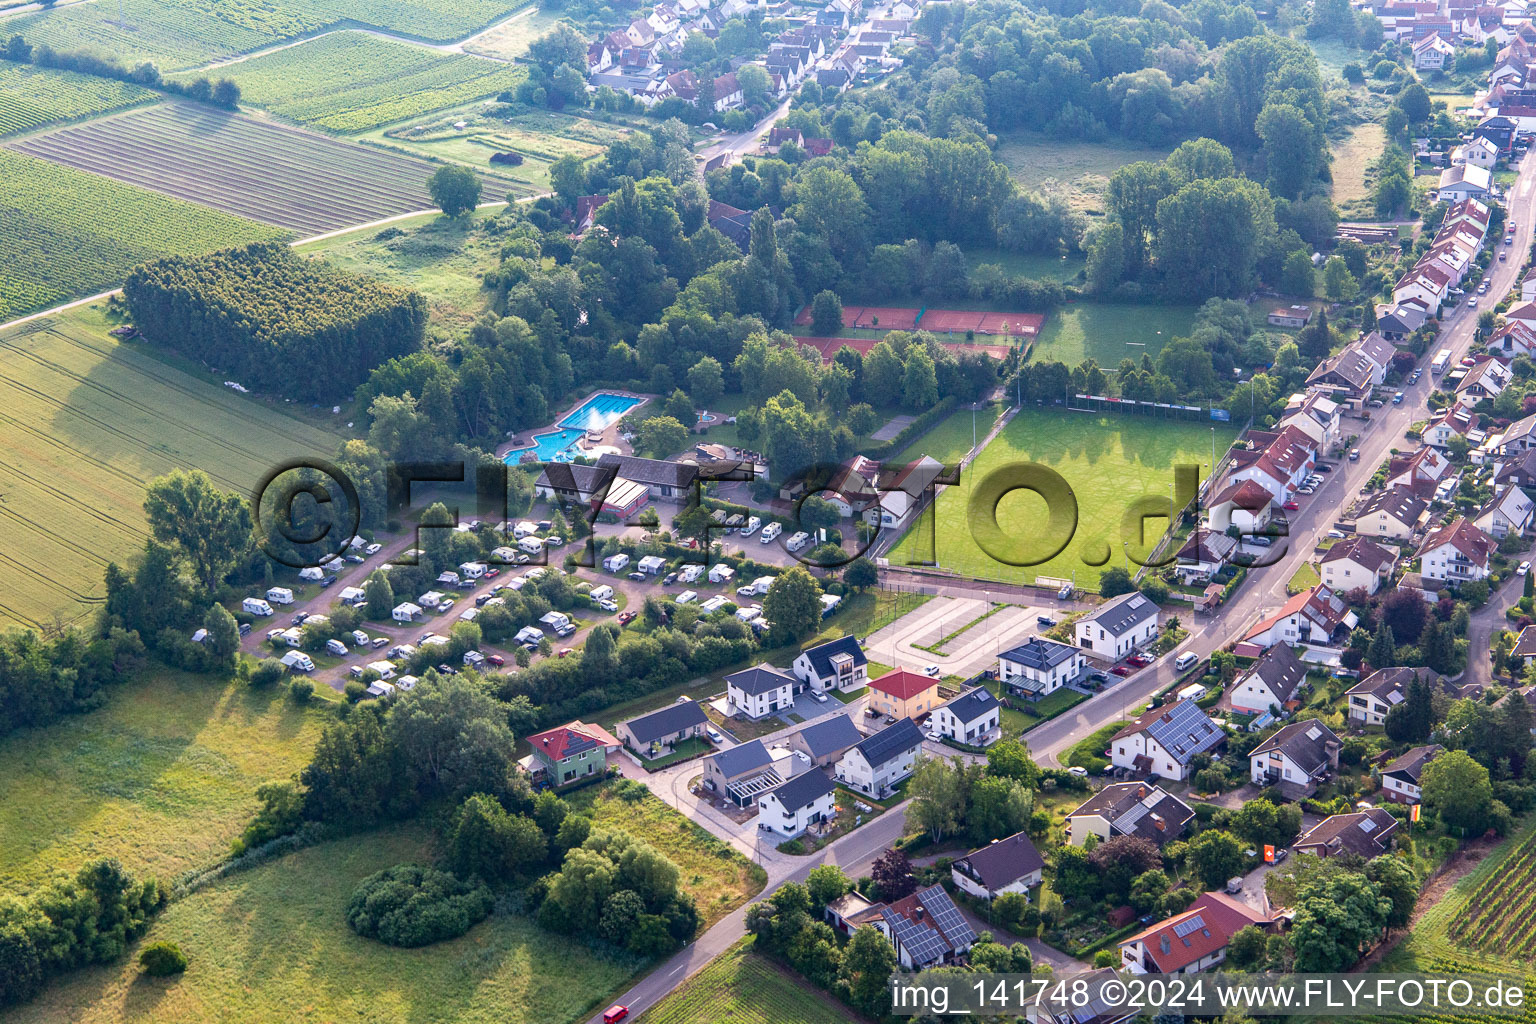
(599, 412)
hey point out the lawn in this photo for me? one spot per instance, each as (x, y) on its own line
(272, 944)
(1078, 170)
(511, 39)
(1108, 462)
(718, 877)
(1029, 264)
(950, 440)
(1352, 158)
(743, 987)
(1304, 577)
(162, 777)
(1111, 332)
(31, 97)
(88, 421)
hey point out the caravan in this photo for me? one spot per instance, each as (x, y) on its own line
(255, 606)
(279, 595)
(797, 542)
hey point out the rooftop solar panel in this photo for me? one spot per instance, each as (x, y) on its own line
(1183, 928)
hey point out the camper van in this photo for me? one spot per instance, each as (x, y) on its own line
(798, 541)
(298, 661)
(255, 606)
(771, 531)
(753, 522)
(1185, 660)
(280, 595)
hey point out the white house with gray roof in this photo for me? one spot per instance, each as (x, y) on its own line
(825, 741)
(1296, 758)
(759, 691)
(1004, 865)
(1129, 809)
(1117, 627)
(875, 765)
(1039, 666)
(660, 731)
(973, 717)
(798, 804)
(1163, 741)
(1270, 683)
(835, 665)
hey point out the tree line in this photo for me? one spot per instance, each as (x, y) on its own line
(223, 93)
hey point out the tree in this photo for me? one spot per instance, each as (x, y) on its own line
(868, 963)
(826, 882)
(861, 574)
(826, 313)
(892, 873)
(1297, 277)
(1009, 759)
(226, 94)
(1292, 148)
(706, 381)
(209, 528)
(487, 841)
(1336, 916)
(938, 798)
(1338, 282)
(1383, 650)
(662, 435)
(1458, 789)
(1246, 949)
(1261, 823)
(793, 602)
(162, 959)
(1412, 720)
(1147, 891)
(919, 383)
(223, 640)
(380, 595)
(754, 83)
(1214, 856)
(997, 808)
(1115, 581)
(455, 189)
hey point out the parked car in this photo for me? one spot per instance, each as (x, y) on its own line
(625, 618)
(355, 559)
(327, 582)
(1336, 534)
(1292, 505)
(637, 576)
(1308, 489)
(373, 549)
(931, 671)
(669, 579)
(1121, 670)
(1397, 399)
(1079, 771)
(492, 573)
(1525, 567)
(380, 641)
(496, 659)
(1354, 455)
(563, 652)
(714, 734)
(298, 620)
(447, 669)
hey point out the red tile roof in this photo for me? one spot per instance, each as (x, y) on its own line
(902, 684)
(1219, 918)
(572, 737)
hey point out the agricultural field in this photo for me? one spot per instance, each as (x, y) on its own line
(88, 421)
(162, 777)
(349, 82)
(272, 944)
(511, 39)
(1078, 170)
(743, 987)
(1499, 914)
(178, 35)
(1109, 332)
(1108, 462)
(69, 234)
(31, 97)
(241, 165)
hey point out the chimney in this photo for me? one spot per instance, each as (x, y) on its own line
(1162, 943)
(918, 912)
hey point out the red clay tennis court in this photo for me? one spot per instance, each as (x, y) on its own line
(885, 318)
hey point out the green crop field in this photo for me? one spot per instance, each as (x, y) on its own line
(272, 944)
(350, 82)
(1109, 332)
(1078, 170)
(69, 234)
(31, 97)
(742, 987)
(87, 422)
(1108, 462)
(162, 777)
(179, 35)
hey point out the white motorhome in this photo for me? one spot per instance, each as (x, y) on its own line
(770, 531)
(280, 595)
(255, 606)
(798, 541)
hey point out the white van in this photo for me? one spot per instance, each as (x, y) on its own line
(1194, 691)
(255, 606)
(280, 595)
(1185, 660)
(770, 531)
(798, 541)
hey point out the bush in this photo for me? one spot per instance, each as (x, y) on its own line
(162, 959)
(301, 690)
(355, 690)
(409, 905)
(267, 672)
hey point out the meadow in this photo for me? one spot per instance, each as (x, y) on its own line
(88, 421)
(272, 944)
(1078, 170)
(162, 777)
(349, 82)
(68, 233)
(241, 165)
(1352, 159)
(1109, 332)
(1107, 461)
(511, 39)
(743, 987)
(32, 97)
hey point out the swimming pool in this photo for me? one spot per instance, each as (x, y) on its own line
(599, 412)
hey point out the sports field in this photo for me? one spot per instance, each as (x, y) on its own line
(1110, 332)
(31, 97)
(87, 422)
(350, 82)
(1108, 461)
(241, 165)
(742, 987)
(67, 233)
(272, 944)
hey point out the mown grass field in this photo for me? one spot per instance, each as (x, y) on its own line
(272, 944)
(245, 166)
(87, 422)
(950, 439)
(181, 34)
(32, 97)
(350, 82)
(742, 987)
(1078, 170)
(1110, 332)
(162, 777)
(1108, 462)
(69, 234)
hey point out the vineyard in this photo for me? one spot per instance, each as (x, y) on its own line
(1499, 915)
(87, 421)
(256, 169)
(349, 82)
(182, 34)
(31, 97)
(69, 234)
(741, 987)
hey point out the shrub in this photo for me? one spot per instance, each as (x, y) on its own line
(410, 905)
(162, 959)
(355, 690)
(267, 672)
(301, 690)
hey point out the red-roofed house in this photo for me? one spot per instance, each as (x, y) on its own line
(1419, 473)
(1311, 617)
(1246, 504)
(727, 92)
(1193, 941)
(1455, 553)
(904, 694)
(570, 752)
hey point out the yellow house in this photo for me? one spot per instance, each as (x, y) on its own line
(903, 694)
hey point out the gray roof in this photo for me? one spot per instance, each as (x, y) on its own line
(1039, 653)
(1397, 502)
(830, 735)
(1183, 730)
(739, 760)
(1411, 764)
(1306, 743)
(1386, 682)
(973, 704)
(804, 789)
(758, 680)
(1122, 614)
(891, 742)
(652, 472)
(941, 930)
(1363, 832)
(1003, 862)
(821, 655)
(1139, 809)
(1281, 671)
(669, 720)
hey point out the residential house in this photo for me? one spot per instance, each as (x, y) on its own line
(1522, 313)
(1316, 415)
(1357, 562)
(1279, 461)
(1369, 700)
(1395, 513)
(743, 773)
(826, 740)
(759, 691)
(1514, 338)
(728, 94)
(1431, 53)
(1290, 316)
(1204, 554)
(1246, 504)
(1419, 472)
(1517, 471)
(599, 57)
(1496, 129)
(796, 805)
(1397, 321)
(1271, 683)
(1191, 941)
(1465, 181)
(1130, 809)
(1456, 552)
(661, 731)
(1426, 285)
(569, 753)
(973, 718)
(1295, 758)
(1039, 666)
(1400, 778)
(835, 665)
(1349, 374)
(1457, 420)
(1004, 865)
(1478, 152)
(903, 694)
(1485, 378)
(1368, 833)
(926, 928)
(1507, 513)
(1163, 741)
(1309, 618)
(875, 765)
(640, 32)
(666, 481)
(1118, 626)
